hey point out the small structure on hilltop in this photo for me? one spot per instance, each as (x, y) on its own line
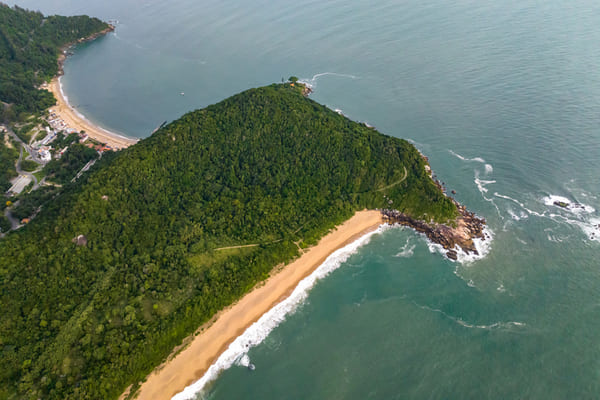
(80, 240)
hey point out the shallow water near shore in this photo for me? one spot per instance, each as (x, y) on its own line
(503, 98)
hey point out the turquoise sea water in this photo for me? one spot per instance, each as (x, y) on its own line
(504, 98)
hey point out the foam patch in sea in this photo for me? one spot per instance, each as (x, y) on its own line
(312, 82)
(407, 250)
(502, 325)
(574, 207)
(575, 214)
(482, 245)
(476, 159)
(481, 186)
(257, 332)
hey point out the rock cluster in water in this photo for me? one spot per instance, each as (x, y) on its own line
(467, 227)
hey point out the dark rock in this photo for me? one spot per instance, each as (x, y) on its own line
(468, 227)
(452, 254)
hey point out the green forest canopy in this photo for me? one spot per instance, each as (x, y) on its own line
(266, 166)
(29, 46)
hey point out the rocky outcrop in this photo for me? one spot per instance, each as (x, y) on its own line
(80, 240)
(467, 227)
(306, 90)
(65, 49)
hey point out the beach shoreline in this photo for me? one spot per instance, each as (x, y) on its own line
(65, 112)
(212, 339)
(71, 117)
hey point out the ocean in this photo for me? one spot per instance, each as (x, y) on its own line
(504, 99)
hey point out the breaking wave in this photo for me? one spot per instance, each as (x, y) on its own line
(257, 332)
(574, 207)
(560, 210)
(482, 245)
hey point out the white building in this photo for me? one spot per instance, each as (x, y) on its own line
(45, 155)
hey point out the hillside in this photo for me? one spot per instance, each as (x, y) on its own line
(29, 46)
(267, 167)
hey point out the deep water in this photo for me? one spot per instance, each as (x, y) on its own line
(504, 98)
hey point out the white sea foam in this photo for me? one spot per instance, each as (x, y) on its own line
(258, 331)
(407, 250)
(574, 207)
(483, 247)
(64, 96)
(513, 215)
(476, 159)
(531, 212)
(575, 214)
(312, 82)
(481, 186)
(496, 325)
(591, 228)
(521, 240)
(243, 360)
(517, 215)
(489, 169)
(552, 238)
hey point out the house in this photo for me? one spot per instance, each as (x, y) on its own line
(45, 155)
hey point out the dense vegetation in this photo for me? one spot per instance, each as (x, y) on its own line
(29, 203)
(65, 168)
(267, 166)
(29, 46)
(8, 156)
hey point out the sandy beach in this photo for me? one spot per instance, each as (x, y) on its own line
(72, 119)
(192, 362)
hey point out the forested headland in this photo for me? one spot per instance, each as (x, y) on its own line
(121, 266)
(30, 44)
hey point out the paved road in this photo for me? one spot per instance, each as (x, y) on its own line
(22, 172)
(14, 223)
(31, 153)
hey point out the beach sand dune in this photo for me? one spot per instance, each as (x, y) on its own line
(203, 350)
(73, 120)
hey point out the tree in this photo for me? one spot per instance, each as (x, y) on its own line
(293, 79)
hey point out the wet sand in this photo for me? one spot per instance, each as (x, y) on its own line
(203, 349)
(72, 119)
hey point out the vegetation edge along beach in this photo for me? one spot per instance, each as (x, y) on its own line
(65, 111)
(202, 349)
(149, 244)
